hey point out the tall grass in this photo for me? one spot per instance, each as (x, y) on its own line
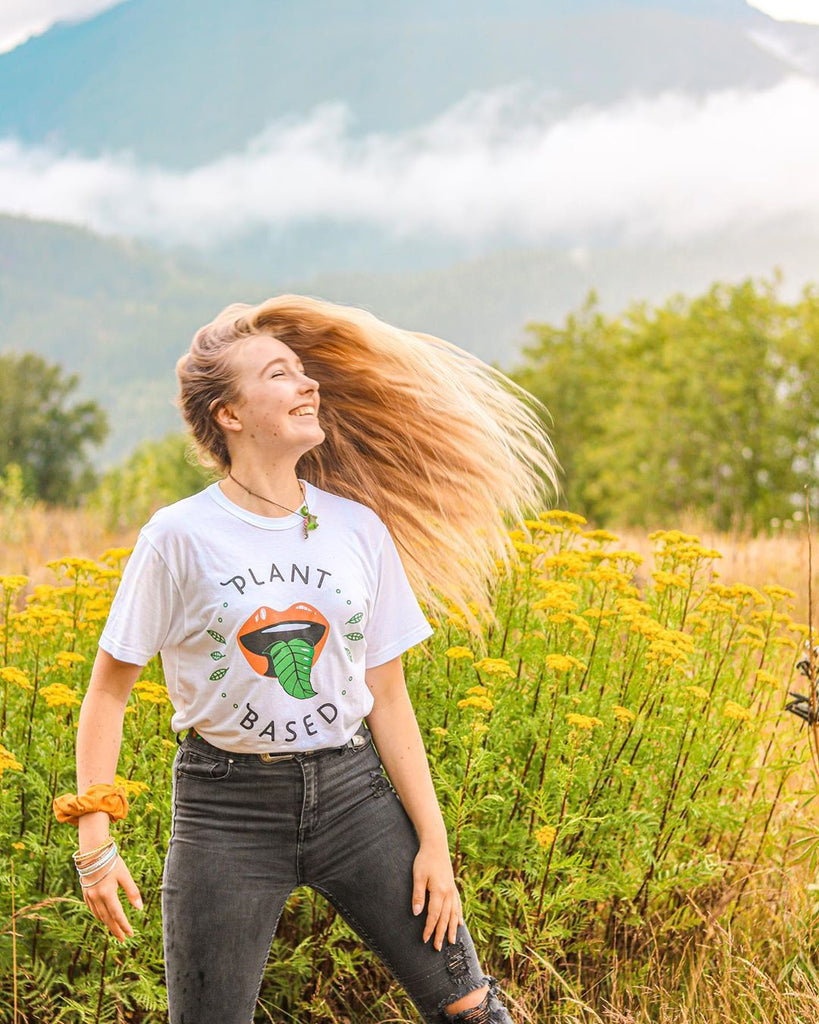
(628, 806)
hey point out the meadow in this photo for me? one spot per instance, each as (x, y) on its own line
(629, 806)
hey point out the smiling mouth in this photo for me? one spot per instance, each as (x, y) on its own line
(260, 640)
(304, 410)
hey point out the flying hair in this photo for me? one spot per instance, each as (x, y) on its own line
(443, 447)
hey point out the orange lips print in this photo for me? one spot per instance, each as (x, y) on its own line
(285, 645)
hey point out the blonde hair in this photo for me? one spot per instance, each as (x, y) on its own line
(439, 444)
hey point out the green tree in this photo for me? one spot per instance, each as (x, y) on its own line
(704, 405)
(155, 474)
(44, 431)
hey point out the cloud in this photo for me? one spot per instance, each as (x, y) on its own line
(21, 19)
(788, 10)
(667, 168)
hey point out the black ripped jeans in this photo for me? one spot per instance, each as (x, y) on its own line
(246, 833)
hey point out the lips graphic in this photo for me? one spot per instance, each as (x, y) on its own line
(285, 645)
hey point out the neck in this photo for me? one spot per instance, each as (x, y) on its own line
(276, 483)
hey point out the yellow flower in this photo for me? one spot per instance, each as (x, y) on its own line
(12, 674)
(736, 711)
(698, 691)
(18, 846)
(564, 663)
(459, 652)
(767, 678)
(477, 691)
(546, 835)
(623, 714)
(65, 659)
(586, 722)
(561, 516)
(58, 695)
(664, 579)
(495, 667)
(10, 584)
(8, 761)
(112, 555)
(132, 787)
(778, 593)
(482, 703)
(151, 693)
(439, 730)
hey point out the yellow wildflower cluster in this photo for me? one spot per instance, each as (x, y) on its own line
(766, 678)
(599, 536)
(624, 715)
(736, 711)
(8, 761)
(132, 787)
(12, 674)
(58, 695)
(663, 580)
(481, 703)
(561, 516)
(495, 667)
(564, 663)
(459, 652)
(698, 691)
(11, 584)
(546, 835)
(151, 693)
(67, 659)
(583, 722)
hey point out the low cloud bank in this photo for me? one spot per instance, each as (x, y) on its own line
(668, 168)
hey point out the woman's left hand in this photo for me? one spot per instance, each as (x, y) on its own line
(432, 873)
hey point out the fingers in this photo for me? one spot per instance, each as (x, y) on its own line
(103, 901)
(443, 917)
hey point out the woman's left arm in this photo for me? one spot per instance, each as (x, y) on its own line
(398, 739)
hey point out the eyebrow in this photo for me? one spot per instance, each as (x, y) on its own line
(278, 361)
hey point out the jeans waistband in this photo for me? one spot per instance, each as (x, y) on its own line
(196, 742)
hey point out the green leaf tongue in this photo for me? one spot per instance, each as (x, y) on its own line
(292, 661)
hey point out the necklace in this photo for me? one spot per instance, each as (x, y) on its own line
(308, 520)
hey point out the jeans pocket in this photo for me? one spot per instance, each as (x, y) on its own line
(194, 766)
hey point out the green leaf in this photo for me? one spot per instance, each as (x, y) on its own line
(355, 619)
(354, 636)
(292, 661)
(216, 655)
(347, 652)
(219, 673)
(217, 636)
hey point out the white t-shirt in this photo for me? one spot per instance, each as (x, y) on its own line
(265, 634)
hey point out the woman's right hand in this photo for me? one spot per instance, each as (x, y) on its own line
(103, 900)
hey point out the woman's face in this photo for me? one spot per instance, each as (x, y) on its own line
(278, 404)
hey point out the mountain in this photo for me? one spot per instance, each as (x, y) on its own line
(117, 313)
(120, 314)
(179, 82)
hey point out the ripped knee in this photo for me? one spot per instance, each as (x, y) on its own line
(478, 1006)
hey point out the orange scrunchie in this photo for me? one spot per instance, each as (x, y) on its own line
(70, 807)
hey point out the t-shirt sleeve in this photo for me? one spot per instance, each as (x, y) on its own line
(396, 621)
(147, 612)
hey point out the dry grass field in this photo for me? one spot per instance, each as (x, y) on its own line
(31, 537)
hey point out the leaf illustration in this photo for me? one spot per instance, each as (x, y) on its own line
(216, 655)
(292, 661)
(219, 673)
(347, 652)
(354, 636)
(217, 636)
(355, 619)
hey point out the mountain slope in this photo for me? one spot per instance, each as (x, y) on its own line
(178, 82)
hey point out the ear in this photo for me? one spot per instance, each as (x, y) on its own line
(226, 417)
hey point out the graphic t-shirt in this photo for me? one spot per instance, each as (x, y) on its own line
(265, 635)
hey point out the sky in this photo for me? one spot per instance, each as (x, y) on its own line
(496, 166)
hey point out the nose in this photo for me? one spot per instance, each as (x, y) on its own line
(308, 384)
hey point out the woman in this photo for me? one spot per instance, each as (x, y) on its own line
(281, 608)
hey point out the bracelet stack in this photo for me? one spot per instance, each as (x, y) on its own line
(92, 861)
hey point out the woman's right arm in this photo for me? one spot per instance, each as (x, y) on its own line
(99, 738)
